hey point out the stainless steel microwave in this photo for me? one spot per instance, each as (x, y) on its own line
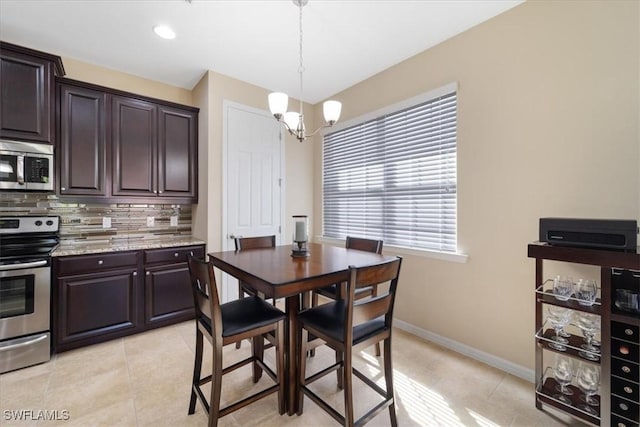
(26, 166)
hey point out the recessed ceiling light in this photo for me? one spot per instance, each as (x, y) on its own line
(164, 32)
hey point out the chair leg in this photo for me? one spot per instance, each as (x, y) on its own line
(216, 385)
(257, 349)
(348, 388)
(388, 377)
(377, 349)
(301, 354)
(240, 295)
(340, 371)
(197, 369)
(282, 378)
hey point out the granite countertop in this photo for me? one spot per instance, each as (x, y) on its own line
(128, 245)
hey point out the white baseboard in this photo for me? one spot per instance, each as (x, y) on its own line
(491, 360)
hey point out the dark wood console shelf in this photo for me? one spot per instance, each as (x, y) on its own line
(619, 335)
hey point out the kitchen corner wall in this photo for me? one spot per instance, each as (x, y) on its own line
(81, 223)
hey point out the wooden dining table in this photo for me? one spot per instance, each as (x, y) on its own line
(276, 274)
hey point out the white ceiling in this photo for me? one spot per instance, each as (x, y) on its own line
(345, 42)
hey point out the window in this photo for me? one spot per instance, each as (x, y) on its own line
(392, 175)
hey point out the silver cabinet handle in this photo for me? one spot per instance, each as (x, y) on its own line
(63, 188)
(176, 254)
(160, 191)
(147, 274)
(100, 262)
(135, 273)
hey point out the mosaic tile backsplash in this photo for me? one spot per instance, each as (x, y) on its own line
(81, 224)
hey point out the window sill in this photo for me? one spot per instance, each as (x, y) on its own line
(443, 256)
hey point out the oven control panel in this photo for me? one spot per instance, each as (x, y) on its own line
(29, 224)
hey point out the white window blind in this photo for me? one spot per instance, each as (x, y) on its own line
(394, 177)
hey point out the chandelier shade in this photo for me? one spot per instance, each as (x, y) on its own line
(294, 121)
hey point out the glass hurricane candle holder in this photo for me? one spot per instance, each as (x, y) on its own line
(300, 239)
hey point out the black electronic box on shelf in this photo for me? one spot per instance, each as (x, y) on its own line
(614, 234)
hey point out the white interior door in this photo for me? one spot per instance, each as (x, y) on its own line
(253, 199)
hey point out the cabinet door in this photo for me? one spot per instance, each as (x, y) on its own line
(177, 157)
(134, 144)
(96, 307)
(82, 148)
(168, 295)
(26, 97)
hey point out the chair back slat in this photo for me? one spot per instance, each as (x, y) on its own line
(259, 242)
(362, 244)
(375, 274)
(370, 309)
(205, 294)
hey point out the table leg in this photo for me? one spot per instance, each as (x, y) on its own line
(292, 308)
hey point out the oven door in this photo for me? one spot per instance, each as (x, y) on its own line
(25, 292)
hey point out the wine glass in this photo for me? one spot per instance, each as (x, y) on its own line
(559, 318)
(589, 324)
(589, 380)
(563, 372)
(562, 288)
(586, 291)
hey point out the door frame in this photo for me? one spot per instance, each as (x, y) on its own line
(226, 242)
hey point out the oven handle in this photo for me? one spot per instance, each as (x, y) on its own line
(23, 344)
(33, 264)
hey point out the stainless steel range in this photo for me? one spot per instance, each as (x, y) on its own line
(26, 243)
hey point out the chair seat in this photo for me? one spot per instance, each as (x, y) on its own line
(329, 319)
(245, 314)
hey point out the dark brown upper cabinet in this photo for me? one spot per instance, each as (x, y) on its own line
(177, 160)
(83, 156)
(135, 147)
(27, 102)
(119, 147)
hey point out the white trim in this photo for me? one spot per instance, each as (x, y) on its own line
(443, 256)
(487, 358)
(406, 103)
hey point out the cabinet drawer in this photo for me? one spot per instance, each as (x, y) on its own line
(91, 263)
(177, 254)
(626, 389)
(625, 332)
(625, 408)
(617, 421)
(625, 350)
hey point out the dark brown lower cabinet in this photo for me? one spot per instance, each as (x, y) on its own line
(97, 306)
(168, 297)
(100, 297)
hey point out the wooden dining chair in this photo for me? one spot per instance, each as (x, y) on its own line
(332, 292)
(228, 323)
(345, 325)
(246, 243)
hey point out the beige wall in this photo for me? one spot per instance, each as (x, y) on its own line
(548, 125)
(86, 72)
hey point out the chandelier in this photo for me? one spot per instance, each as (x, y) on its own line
(294, 121)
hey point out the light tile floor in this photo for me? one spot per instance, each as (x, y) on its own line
(144, 380)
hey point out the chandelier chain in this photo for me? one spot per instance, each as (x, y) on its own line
(300, 65)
